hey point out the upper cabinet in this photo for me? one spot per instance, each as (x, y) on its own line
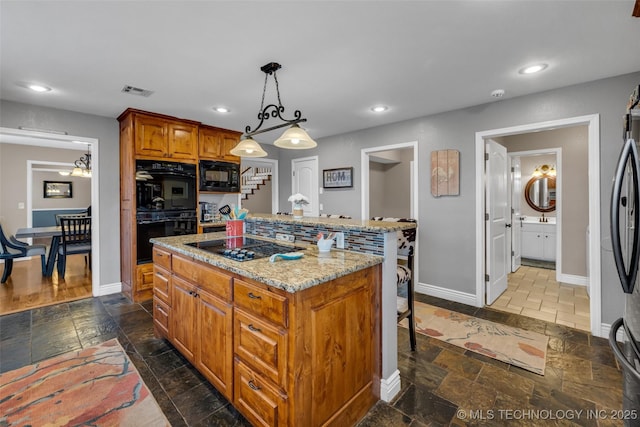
(216, 144)
(163, 137)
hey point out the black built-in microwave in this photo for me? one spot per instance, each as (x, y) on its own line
(219, 176)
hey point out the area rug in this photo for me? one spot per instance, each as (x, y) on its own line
(97, 386)
(518, 347)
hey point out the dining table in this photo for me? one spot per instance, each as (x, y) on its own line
(55, 232)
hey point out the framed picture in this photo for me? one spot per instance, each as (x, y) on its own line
(58, 189)
(337, 178)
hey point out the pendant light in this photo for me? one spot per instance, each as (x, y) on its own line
(248, 148)
(82, 167)
(293, 138)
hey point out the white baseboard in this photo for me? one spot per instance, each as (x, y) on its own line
(390, 387)
(605, 329)
(112, 288)
(572, 279)
(448, 294)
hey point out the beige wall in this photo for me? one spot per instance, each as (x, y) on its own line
(575, 188)
(13, 183)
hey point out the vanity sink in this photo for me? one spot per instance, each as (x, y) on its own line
(536, 220)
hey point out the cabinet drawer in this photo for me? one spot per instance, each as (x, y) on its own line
(161, 316)
(256, 400)
(261, 302)
(162, 258)
(204, 276)
(162, 284)
(261, 345)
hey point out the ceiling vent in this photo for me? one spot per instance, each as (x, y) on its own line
(137, 91)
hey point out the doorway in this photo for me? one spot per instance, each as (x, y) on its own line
(593, 237)
(304, 180)
(269, 201)
(38, 139)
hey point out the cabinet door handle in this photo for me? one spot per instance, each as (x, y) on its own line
(252, 296)
(253, 328)
(253, 385)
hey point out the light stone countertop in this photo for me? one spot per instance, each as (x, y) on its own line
(334, 223)
(292, 276)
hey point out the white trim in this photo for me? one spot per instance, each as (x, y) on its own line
(573, 279)
(445, 293)
(111, 288)
(593, 123)
(606, 329)
(557, 151)
(390, 387)
(95, 208)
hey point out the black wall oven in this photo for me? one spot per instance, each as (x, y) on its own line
(166, 196)
(219, 176)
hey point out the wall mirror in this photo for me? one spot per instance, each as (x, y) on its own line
(540, 193)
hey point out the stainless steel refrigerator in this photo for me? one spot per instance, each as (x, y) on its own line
(625, 237)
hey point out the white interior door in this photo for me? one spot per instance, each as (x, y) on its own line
(304, 180)
(516, 214)
(497, 217)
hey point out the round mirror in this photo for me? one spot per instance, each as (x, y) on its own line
(540, 193)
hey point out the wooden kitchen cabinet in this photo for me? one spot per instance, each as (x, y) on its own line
(165, 138)
(150, 136)
(201, 321)
(216, 144)
(308, 358)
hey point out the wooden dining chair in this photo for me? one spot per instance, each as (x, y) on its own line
(76, 239)
(11, 248)
(405, 276)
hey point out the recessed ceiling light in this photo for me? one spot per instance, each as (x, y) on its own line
(221, 109)
(533, 69)
(379, 108)
(34, 87)
(498, 93)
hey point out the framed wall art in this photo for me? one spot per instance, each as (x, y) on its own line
(445, 173)
(58, 189)
(337, 178)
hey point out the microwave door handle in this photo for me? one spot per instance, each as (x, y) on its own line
(627, 274)
(616, 350)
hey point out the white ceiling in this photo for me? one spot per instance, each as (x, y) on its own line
(339, 57)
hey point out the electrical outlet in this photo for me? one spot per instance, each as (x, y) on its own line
(340, 240)
(285, 237)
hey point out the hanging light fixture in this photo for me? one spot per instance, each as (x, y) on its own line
(293, 138)
(83, 166)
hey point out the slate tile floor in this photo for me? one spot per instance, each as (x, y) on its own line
(441, 383)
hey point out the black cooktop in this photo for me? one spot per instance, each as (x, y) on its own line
(243, 248)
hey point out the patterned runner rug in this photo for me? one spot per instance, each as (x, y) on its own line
(97, 386)
(518, 347)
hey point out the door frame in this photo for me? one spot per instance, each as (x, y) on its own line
(558, 153)
(315, 197)
(592, 122)
(95, 185)
(275, 196)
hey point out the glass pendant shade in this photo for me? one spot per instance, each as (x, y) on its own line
(295, 138)
(76, 171)
(248, 148)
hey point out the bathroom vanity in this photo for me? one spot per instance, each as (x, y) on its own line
(539, 240)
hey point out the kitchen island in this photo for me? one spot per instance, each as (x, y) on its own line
(289, 343)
